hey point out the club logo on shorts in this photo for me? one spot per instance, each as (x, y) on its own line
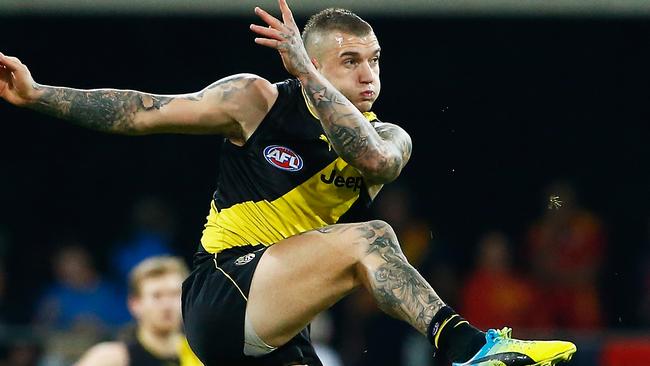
(244, 259)
(283, 158)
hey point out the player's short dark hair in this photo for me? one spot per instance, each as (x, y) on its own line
(335, 19)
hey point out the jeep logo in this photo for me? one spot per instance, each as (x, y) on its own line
(350, 182)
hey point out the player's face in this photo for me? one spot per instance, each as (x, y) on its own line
(159, 304)
(351, 64)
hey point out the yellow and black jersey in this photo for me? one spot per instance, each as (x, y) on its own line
(285, 180)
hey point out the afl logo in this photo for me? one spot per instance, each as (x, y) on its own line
(283, 158)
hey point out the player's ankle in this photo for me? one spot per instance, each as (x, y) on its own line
(453, 337)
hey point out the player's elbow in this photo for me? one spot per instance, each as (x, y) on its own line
(384, 168)
(144, 124)
(388, 159)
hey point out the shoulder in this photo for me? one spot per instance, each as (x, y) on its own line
(259, 82)
(251, 83)
(236, 87)
(105, 354)
(246, 93)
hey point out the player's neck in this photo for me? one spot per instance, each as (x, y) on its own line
(160, 344)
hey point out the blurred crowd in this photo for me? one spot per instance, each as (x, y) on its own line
(546, 280)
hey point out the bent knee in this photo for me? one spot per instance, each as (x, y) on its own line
(381, 226)
(353, 242)
(378, 234)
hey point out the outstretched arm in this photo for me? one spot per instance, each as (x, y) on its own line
(379, 152)
(215, 109)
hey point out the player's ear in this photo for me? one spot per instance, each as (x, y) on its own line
(135, 306)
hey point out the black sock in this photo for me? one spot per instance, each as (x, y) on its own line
(453, 336)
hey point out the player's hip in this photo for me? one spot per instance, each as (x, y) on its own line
(214, 306)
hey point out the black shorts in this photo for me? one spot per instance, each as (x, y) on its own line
(214, 306)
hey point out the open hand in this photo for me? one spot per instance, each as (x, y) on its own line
(284, 36)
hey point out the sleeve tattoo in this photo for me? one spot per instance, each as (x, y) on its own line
(112, 110)
(104, 110)
(386, 149)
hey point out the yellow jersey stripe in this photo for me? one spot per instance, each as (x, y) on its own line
(310, 205)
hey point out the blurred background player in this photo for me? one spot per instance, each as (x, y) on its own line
(154, 302)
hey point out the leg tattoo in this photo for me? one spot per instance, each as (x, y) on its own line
(398, 288)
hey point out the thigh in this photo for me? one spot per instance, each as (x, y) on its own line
(301, 276)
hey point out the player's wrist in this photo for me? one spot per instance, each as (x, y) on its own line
(31, 96)
(309, 74)
(36, 92)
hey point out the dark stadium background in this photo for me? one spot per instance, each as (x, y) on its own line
(497, 108)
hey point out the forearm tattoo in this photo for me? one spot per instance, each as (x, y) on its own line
(105, 110)
(392, 166)
(111, 110)
(347, 129)
(391, 133)
(353, 138)
(398, 288)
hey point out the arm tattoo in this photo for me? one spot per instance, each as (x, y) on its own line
(393, 133)
(352, 141)
(383, 151)
(395, 163)
(399, 289)
(107, 110)
(227, 87)
(111, 110)
(293, 49)
(347, 129)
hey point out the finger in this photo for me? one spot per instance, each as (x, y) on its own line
(272, 43)
(3, 60)
(11, 63)
(267, 32)
(268, 18)
(287, 15)
(14, 59)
